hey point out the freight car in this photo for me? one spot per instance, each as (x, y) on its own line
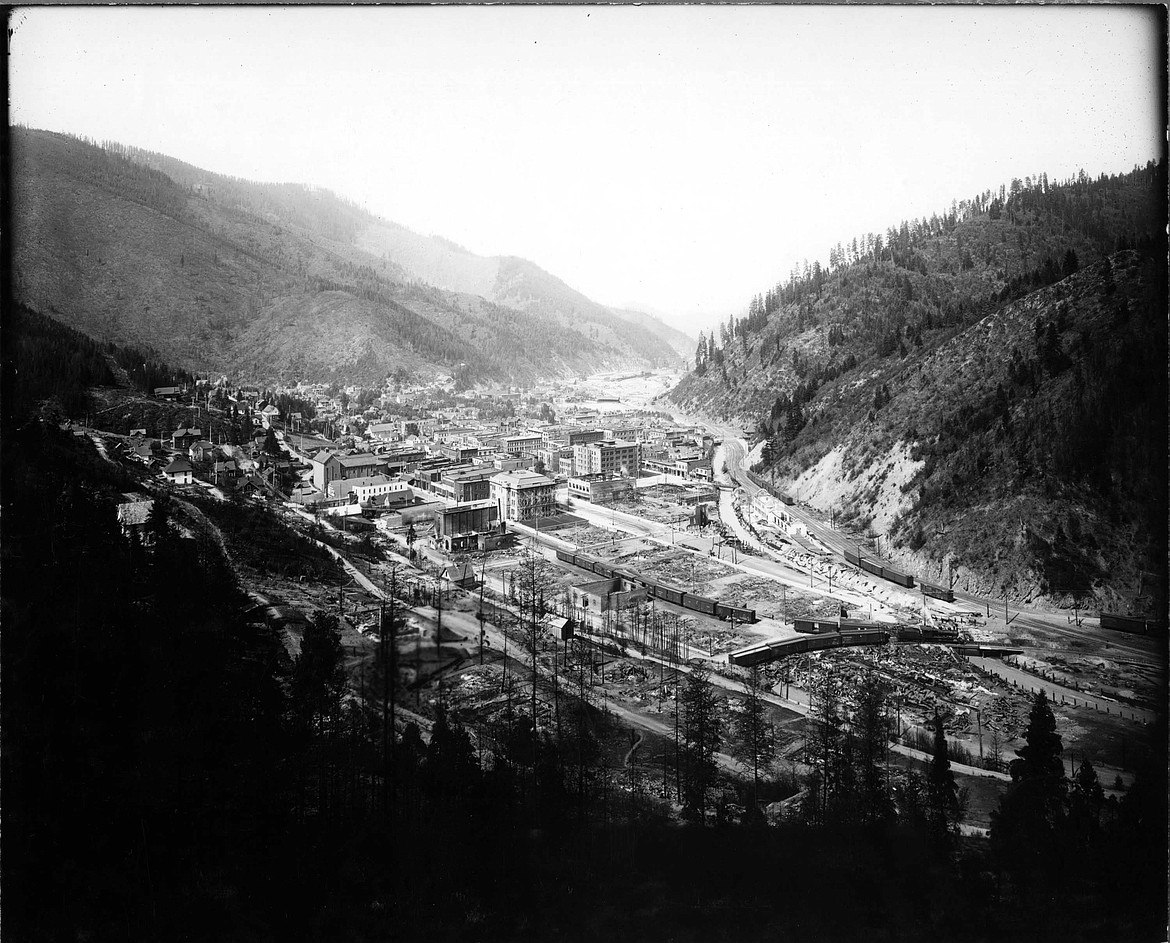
(723, 611)
(814, 626)
(936, 592)
(1136, 624)
(772, 651)
(700, 604)
(779, 495)
(885, 573)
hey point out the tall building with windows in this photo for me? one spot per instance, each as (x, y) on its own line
(610, 457)
(523, 495)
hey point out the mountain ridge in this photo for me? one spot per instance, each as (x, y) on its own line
(272, 280)
(985, 390)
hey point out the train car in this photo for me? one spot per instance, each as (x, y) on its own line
(1139, 625)
(700, 604)
(865, 637)
(902, 579)
(583, 560)
(814, 626)
(750, 657)
(852, 557)
(795, 646)
(818, 643)
(936, 592)
(726, 612)
(566, 557)
(601, 568)
(670, 594)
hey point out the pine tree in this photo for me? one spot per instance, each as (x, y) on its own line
(755, 745)
(872, 723)
(1086, 800)
(942, 789)
(701, 740)
(1026, 827)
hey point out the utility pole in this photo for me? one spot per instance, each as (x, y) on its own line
(532, 606)
(482, 581)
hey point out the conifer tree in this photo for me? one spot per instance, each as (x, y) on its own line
(755, 745)
(701, 740)
(943, 791)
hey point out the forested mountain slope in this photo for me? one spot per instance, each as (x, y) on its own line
(986, 389)
(283, 281)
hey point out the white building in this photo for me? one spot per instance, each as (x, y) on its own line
(523, 495)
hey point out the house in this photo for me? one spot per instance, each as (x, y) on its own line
(249, 485)
(179, 472)
(225, 471)
(168, 392)
(459, 574)
(557, 626)
(132, 517)
(202, 451)
(183, 439)
(142, 452)
(384, 431)
(137, 434)
(523, 495)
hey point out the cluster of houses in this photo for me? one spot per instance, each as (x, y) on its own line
(185, 455)
(456, 466)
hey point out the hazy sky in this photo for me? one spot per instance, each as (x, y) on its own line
(680, 157)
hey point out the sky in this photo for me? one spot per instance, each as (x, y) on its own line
(679, 158)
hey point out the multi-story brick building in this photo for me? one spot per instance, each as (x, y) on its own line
(523, 495)
(608, 457)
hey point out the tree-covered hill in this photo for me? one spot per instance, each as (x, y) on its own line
(986, 388)
(278, 281)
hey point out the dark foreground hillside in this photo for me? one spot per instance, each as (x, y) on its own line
(172, 774)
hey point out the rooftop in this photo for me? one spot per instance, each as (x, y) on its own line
(521, 478)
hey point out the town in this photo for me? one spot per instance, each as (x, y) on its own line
(583, 521)
(650, 473)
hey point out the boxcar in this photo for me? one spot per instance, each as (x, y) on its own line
(566, 557)
(756, 655)
(699, 604)
(1137, 624)
(936, 592)
(902, 579)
